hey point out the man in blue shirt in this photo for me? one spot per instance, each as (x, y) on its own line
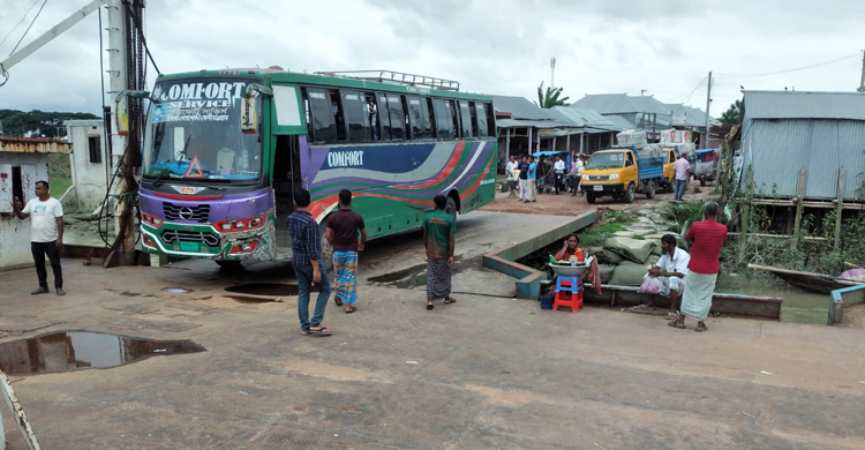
(532, 180)
(306, 252)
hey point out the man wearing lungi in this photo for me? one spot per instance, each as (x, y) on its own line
(346, 232)
(439, 229)
(707, 237)
(670, 270)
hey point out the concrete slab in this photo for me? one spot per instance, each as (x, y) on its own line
(486, 372)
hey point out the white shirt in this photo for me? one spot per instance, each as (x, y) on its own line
(509, 170)
(678, 263)
(560, 166)
(43, 215)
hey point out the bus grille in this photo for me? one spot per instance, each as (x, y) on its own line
(198, 213)
(205, 237)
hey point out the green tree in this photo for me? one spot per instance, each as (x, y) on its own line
(551, 96)
(734, 114)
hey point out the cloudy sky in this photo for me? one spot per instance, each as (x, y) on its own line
(664, 47)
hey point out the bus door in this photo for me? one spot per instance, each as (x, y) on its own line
(290, 110)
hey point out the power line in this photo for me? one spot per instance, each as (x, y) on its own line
(23, 18)
(699, 83)
(29, 27)
(794, 69)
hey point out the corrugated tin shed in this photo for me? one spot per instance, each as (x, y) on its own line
(820, 132)
(686, 116)
(32, 145)
(520, 108)
(587, 118)
(622, 103)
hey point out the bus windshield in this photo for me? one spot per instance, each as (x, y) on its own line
(606, 161)
(193, 132)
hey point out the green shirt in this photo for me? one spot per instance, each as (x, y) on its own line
(439, 228)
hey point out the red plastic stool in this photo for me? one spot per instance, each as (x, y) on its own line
(568, 296)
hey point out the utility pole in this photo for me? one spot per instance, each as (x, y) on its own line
(708, 105)
(862, 79)
(553, 72)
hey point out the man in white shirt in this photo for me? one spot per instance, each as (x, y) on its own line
(683, 171)
(513, 173)
(559, 169)
(670, 270)
(46, 234)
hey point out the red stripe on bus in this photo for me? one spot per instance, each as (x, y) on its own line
(446, 172)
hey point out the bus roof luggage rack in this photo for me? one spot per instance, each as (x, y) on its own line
(390, 76)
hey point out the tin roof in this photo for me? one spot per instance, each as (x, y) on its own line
(12, 144)
(622, 103)
(804, 105)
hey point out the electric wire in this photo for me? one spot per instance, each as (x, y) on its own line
(14, 27)
(794, 69)
(41, 7)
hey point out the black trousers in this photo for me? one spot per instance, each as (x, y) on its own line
(39, 250)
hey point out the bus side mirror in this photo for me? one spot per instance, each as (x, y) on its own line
(249, 114)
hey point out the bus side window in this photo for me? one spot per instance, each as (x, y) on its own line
(323, 125)
(338, 112)
(384, 115)
(491, 119)
(356, 116)
(397, 116)
(373, 114)
(419, 118)
(430, 112)
(455, 116)
(481, 114)
(465, 120)
(473, 109)
(444, 118)
(406, 123)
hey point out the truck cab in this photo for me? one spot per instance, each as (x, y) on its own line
(621, 173)
(669, 168)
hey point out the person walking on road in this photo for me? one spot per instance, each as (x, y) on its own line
(306, 254)
(524, 179)
(683, 171)
(532, 180)
(46, 235)
(346, 232)
(707, 237)
(439, 229)
(513, 173)
(559, 169)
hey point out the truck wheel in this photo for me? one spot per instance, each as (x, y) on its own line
(650, 190)
(629, 195)
(590, 197)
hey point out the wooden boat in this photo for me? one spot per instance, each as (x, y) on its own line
(810, 281)
(722, 303)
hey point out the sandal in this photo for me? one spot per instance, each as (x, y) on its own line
(337, 301)
(677, 324)
(349, 309)
(429, 306)
(319, 332)
(701, 327)
(448, 300)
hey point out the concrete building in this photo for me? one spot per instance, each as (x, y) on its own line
(23, 162)
(807, 145)
(90, 164)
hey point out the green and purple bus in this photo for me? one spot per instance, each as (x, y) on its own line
(224, 151)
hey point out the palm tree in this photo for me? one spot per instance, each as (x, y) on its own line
(550, 97)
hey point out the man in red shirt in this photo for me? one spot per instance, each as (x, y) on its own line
(346, 232)
(707, 237)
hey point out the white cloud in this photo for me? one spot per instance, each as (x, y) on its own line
(500, 47)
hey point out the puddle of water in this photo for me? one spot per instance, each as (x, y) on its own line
(177, 290)
(72, 350)
(274, 289)
(799, 305)
(250, 299)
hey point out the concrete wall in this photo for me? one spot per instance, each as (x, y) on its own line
(89, 178)
(14, 233)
